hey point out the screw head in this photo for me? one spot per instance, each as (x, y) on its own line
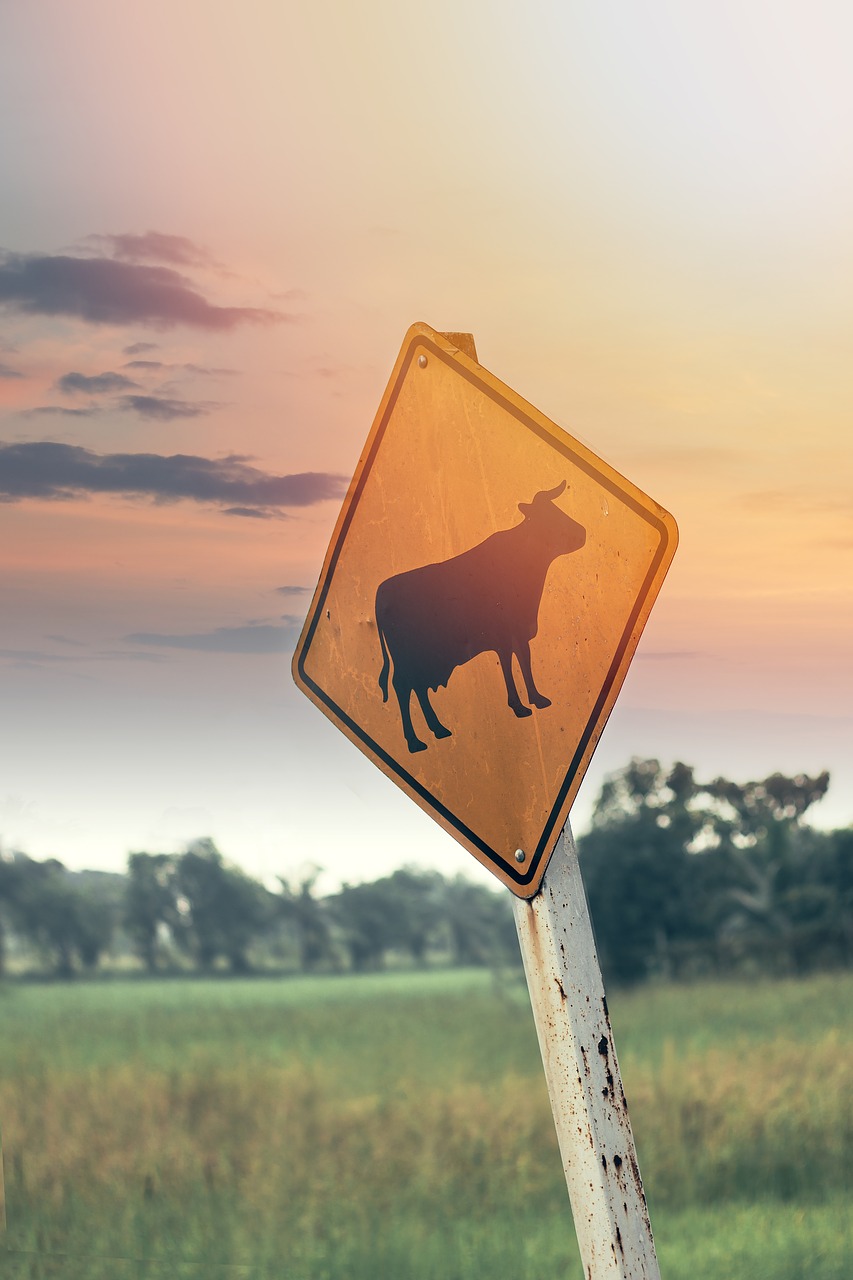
(520, 855)
(422, 362)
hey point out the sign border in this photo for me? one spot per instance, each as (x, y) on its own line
(421, 338)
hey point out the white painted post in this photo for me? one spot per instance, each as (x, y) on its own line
(587, 1099)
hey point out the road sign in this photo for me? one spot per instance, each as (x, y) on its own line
(481, 599)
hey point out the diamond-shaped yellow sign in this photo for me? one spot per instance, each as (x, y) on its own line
(481, 599)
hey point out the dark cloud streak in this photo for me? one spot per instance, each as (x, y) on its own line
(94, 384)
(249, 639)
(59, 411)
(50, 470)
(157, 246)
(165, 409)
(104, 291)
(139, 348)
(151, 366)
(41, 657)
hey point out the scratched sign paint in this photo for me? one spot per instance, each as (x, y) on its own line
(480, 602)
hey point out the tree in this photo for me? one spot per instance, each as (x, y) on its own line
(99, 901)
(650, 902)
(684, 875)
(8, 888)
(299, 907)
(405, 911)
(480, 923)
(416, 901)
(224, 909)
(56, 911)
(364, 914)
(836, 877)
(779, 908)
(150, 903)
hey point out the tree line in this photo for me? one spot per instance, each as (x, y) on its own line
(684, 878)
(175, 911)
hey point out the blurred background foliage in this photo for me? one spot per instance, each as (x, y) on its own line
(685, 879)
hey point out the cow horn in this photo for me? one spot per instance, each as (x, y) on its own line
(547, 495)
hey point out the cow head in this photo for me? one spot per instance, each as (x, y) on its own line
(559, 532)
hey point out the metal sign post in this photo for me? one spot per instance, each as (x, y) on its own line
(584, 1084)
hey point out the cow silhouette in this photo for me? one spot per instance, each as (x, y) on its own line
(434, 619)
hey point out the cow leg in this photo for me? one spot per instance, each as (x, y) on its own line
(515, 703)
(403, 690)
(433, 722)
(523, 654)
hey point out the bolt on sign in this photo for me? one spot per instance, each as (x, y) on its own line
(481, 599)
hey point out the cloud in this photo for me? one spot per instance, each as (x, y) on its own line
(156, 246)
(252, 512)
(94, 384)
(50, 470)
(166, 409)
(28, 657)
(59, 411)
(247, 639)
(152, 365)
(42, 657)
(103, 291)
(213, 372)
(293, 591)
(6, 371)
(139, 348)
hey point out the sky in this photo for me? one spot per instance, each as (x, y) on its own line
(217, 222)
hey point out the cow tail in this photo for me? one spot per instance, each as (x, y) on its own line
(386, 663)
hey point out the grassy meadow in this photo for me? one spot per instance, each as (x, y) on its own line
(397, 1125)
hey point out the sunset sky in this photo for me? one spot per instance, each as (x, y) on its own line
(219, 219)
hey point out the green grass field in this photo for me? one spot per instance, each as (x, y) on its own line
(398, 1125)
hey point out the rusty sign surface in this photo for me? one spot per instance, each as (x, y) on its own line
(481, 599)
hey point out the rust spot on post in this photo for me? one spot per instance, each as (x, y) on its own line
(638, 1181)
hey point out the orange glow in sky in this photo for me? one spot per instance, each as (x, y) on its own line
(644, 217)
